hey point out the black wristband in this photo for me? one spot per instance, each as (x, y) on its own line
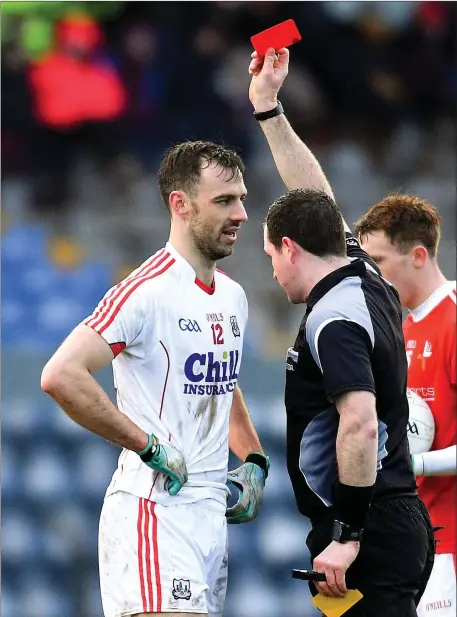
(352, 504)
(258, 459)
(147, 454)
(271, 113)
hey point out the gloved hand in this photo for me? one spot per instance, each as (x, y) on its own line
(250, 481)
(165, 459)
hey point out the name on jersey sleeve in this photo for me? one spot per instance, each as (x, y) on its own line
(211, 373)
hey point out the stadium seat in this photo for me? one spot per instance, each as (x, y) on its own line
(46, 475)
(20, 536)
(95, 463)
(23, 244)
(41, 597)
(10, 601)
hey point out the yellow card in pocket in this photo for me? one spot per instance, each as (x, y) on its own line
(334, 607)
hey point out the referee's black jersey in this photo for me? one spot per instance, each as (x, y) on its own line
(349, 339)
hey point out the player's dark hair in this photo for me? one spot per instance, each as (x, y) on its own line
(406, 220)
(181, 166)
(311, 219)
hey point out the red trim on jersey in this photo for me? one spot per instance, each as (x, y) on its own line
(128, 293)
(224, 273)
(106, 304)
(206, 288)
(123, 287)
(148, 555)
(140, 553)
(166, 379)
(116, 348)
(153, 484)
(152, 505)
(122, 284)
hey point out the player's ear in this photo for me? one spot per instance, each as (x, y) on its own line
(420, 255)
(178, 202)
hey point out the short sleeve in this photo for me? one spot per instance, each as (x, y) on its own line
(342, 350)
(118, 318)
(355, 251)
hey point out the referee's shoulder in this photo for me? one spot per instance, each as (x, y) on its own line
(344, 302)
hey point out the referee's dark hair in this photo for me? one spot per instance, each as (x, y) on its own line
(311, 219)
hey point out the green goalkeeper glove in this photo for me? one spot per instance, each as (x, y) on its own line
(165, 459)
(250, 481)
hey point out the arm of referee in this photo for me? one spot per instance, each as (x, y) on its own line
(342, 350)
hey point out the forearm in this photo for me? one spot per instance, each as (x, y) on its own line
(243, 437)
(85, 402)
(436, 463)
(296, 164)
(357, 450)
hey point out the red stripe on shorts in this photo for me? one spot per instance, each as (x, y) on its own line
(156, 557)
(148, 554)
(140, 553)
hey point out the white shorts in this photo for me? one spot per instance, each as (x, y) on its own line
(439, 599)
(156, 558)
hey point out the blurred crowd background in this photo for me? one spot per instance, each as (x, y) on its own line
(92, 93)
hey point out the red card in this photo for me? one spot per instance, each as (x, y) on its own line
(284, 34)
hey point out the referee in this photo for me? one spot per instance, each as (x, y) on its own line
(347, 411)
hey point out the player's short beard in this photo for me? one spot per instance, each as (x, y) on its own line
(205, 238)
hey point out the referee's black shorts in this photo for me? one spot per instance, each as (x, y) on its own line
(395, 559)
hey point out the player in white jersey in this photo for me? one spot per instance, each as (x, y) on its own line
(173, 330)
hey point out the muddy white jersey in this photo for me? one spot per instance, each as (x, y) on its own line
(177, 344)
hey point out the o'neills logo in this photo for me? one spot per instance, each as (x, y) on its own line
(435, 606)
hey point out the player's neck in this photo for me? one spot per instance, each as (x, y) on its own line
(431, 280)
(204, 269)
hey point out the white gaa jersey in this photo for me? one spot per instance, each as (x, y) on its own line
(177, 345)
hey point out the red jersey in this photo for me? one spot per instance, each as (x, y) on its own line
(430, 338)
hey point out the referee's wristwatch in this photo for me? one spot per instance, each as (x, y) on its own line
(344, 533)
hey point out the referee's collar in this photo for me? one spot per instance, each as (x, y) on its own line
(355, 268)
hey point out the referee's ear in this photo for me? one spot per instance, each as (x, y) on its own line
(291, 248)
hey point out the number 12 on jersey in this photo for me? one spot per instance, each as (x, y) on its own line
(218, 339)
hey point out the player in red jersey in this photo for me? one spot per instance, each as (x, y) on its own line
(401, 233)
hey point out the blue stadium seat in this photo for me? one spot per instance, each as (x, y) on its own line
(23, 244)
(40, 596)
(251, 595)
(68, 534)
(10, 601)
(95, 464)
(46, 475)
(88, 284)
(23, 417)
(20, 537)
(11, 479)
(91, 602)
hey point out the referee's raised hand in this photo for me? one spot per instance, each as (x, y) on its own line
(334, 562)
(268, 75)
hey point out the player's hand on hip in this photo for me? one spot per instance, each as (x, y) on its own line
(334, 561)
(168, 460)
(249, 479)
(268, 75)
